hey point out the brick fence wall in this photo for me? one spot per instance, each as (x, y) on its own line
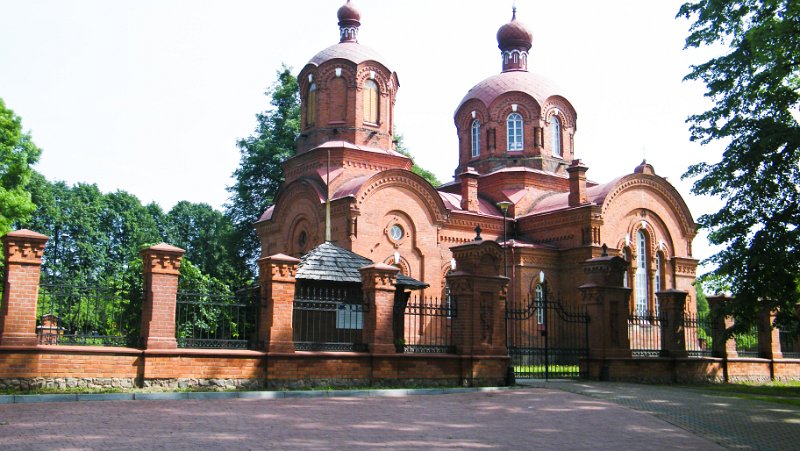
(481, 356)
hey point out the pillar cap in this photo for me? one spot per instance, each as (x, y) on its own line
(25, 233)
(281, 258)
(380, 267)
(163, 247)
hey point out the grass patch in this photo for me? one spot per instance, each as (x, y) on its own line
(776, 392)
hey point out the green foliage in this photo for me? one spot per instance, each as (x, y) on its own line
(755, 89)
(17, 154)
(422, 172)
(702, 302)
(259, 174)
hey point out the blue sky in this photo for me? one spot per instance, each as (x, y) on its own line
(150, 97)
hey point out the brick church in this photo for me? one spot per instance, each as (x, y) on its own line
(517, 177)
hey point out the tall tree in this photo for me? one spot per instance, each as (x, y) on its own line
(755, 89)
(17, 154)
(420, 171)
(259, 174)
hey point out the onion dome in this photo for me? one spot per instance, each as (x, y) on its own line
(514, 40)
(349, 21)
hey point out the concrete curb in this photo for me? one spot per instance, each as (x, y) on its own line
(175, 396)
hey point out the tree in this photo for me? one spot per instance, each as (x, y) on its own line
(259, 174)
(17, 154)
(422, 172)
(755, 89)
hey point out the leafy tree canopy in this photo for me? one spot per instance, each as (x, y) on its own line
(259, 174)
(422, 172)
(755, 89)
(17, 154)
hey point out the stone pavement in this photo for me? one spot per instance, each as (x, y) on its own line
(734, 423)
(528, 418)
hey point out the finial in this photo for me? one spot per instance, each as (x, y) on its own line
(513, 10)
(478, 233)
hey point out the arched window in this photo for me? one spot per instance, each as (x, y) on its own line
(540, 303)
(311, 105)
(476, 138)
(659, 280)
(642, 289)
(514, 131)
(626, 254)
(370, 95)
(555, 134)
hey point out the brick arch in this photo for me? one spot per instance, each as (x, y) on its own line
(568, 115)
(383, 77)
(410, 181)
(463, 118)
(304, 194)
(662, 189)
(527, 106)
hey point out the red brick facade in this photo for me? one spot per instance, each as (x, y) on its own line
(558, 218)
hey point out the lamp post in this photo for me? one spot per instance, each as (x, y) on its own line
(503, 206)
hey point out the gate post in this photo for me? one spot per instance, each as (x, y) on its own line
(161, 268)
(722, 346)
(673, 329)
(606, 302)
(769, 338)
(276, 275)
(479, 332)
(379, 288)
(23, 261)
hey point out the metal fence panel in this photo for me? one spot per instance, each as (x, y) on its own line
(425, 325)
(213, 320)
(644, 333)
(328, 319)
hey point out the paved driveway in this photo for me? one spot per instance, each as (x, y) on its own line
(532, 418)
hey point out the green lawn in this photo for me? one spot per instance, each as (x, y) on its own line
(777, 392)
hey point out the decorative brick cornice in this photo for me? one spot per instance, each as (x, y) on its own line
(280, 267)
(661, 188)
(24, 246)
(685, 266)
(162, 259)
(379, 276)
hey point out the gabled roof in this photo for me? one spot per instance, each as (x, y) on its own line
(332, 263)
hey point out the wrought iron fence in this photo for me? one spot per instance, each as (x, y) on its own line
(697, 329)
(87, 315)
(545, 338)
(214, 320)
(328, 319)
(790, 344)
(644, 333)
(747, 343)
(425, 326)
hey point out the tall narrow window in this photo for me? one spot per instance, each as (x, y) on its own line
(514, 128)
(627, 256)
(370, 94)
(641, 274)
(555, 133)
(476, 138)
(540, 304)
(658, 282)
(311, 107)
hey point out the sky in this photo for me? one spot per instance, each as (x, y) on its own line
(151, 96)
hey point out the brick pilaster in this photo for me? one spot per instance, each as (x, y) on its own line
(673, 328)
(161, 268)
(769, 338)
(277, 278)
(378, 284)
(606, 302)
(23, 261)
(722, 346)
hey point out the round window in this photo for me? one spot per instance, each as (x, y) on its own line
(396, 232)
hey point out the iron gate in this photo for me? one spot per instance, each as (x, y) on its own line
(546, 339)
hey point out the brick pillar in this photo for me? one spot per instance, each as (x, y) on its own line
(277, 278)
(769, 337)
(722, 346)
(379, 287)
(23, 261)
(577, 183)
(673, 330)
(606, 302)
(469, 189)
(479, 326)
(161, 267)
